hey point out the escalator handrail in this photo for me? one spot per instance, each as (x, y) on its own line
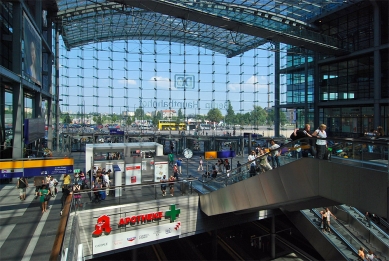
(330, 241)
(373, 224)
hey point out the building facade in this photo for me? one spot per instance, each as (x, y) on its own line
(27, 78)
(348, 93)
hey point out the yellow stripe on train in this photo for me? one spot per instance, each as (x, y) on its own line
(35, 163)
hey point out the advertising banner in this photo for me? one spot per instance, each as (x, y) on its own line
(133, 174)
(161, 168)
(136, 237)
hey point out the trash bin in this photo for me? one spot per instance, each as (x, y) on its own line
(184, 187)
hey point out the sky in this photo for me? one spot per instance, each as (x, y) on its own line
(114, 77)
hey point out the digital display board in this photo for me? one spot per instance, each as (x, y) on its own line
(32, 52)
(33, 129)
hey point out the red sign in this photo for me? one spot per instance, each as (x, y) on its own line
(133, 167)
(103, 225)
(139, 219)
(103, 222)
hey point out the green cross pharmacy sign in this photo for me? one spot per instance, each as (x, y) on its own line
(172, 213)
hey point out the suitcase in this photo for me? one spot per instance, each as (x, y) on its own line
(103, 195)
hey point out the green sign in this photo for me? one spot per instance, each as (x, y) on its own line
(172, 213)
(77, 171)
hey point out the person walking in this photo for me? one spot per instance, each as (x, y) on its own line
(323, 224)
(52, 183)
(200, 168)
(171, 185)
(321, 144)
(43, 192)
(179, 166)
(66, 181)
(38, 183)
(163, 185)
(22, 186)
(239, 167)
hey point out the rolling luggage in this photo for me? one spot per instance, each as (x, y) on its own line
(103, 195)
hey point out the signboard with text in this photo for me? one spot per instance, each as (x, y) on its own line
(135, 237)
(161, 168)
(133, 174)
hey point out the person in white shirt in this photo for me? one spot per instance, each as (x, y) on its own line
(106, 182)
(252, 158)
(274, 148)
(52, 183)
(321, 144)
(328, 214)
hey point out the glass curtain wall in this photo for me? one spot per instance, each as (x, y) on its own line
(113, 80)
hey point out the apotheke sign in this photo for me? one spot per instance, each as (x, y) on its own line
(103, 224)
(135, 237)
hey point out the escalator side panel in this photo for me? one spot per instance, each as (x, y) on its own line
(314, 236)
(300, 181)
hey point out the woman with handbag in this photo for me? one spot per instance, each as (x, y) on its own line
(44, 197)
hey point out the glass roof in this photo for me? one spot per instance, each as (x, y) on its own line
(229, 27)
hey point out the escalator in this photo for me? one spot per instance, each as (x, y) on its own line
(373, 234)
(344, 240)
(303, 183)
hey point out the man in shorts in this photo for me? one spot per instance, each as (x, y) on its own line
(22, 185)
(163, 185)
(39, 181)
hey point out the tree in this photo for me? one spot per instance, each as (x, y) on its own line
(283, 119)
(97, 119)
(114, 118)
(214, 115)
(180, 114)
(139, 113)
(258, 116)
(230, 116)
(65, 118)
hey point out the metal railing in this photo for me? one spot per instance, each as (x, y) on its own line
(365, 153)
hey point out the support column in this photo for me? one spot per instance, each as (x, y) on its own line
(214, 245)
(273, 237)
(242, 145)
(377, 64)
(50, 101)
(134, 254)
(56, 85)
(18, 94)
(249, 145)
(277, 57)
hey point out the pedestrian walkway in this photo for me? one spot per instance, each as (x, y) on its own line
(27, 234)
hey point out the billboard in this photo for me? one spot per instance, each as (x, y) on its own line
(33, 129)
(32, 52)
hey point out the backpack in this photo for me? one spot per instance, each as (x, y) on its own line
(299, 134)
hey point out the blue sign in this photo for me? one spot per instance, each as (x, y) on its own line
(116, 132)
(32, 172)
(226, 154)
